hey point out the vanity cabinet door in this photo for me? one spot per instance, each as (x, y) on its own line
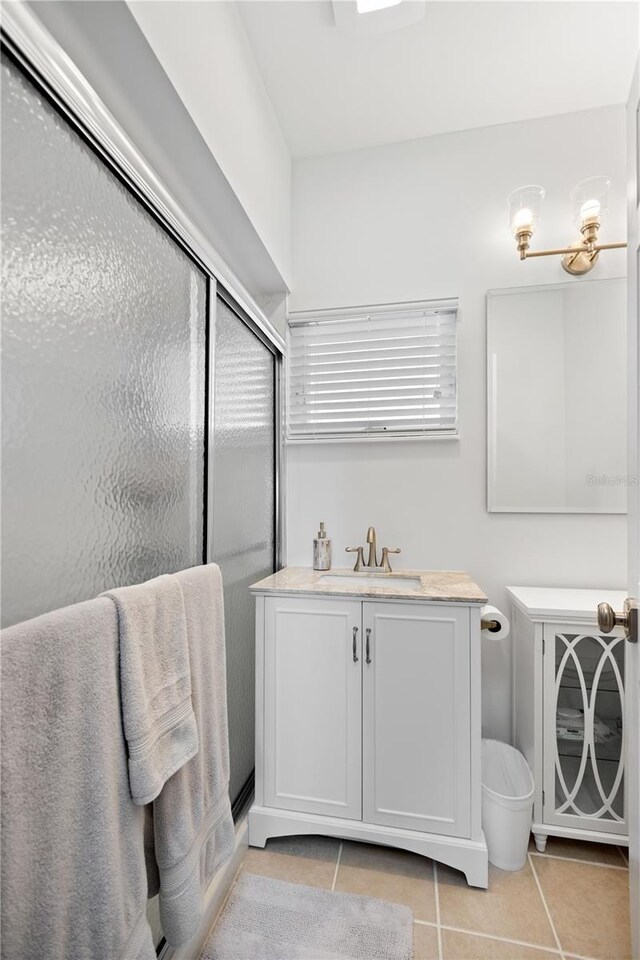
(313, 706)
(416, 717)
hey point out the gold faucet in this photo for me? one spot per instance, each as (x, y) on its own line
(371, 540)
(372, 562)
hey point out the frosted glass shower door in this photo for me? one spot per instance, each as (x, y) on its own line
(103, 373)
(244, 517)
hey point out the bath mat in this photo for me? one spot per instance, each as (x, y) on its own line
(267, 919)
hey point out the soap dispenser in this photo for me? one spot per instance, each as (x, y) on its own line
(322, 550)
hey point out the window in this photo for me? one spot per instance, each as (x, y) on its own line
(373, 372)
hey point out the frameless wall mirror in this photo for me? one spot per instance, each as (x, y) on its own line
(557, 398)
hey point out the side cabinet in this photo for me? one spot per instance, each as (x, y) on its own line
(312, 706)
(416, 717)
(569, 712)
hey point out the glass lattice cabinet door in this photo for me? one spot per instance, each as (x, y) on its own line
(583, 729)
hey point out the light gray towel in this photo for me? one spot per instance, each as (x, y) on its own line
(74, 885)
(193, 827)
(155, 683)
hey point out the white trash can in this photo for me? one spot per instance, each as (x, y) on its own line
(507, 804)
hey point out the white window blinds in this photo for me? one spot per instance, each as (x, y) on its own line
(375, 372)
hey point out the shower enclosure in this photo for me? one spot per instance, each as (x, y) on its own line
(140, 401)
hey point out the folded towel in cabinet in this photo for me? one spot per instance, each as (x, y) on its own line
(193, 827)
(155, 683)
(74, 885)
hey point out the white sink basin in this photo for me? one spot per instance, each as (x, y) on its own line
(370, 580)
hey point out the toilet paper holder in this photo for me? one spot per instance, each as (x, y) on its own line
(493, 623)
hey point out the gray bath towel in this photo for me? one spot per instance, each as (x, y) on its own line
(193, 827)
(74, 885)
(155, 682)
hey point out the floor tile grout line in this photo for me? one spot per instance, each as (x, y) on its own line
(438, 923)
(578, 956)
(589, 863)
(335, 875)
(545, 905)
(494, 936)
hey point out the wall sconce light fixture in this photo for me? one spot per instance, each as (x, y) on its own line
(589, 199)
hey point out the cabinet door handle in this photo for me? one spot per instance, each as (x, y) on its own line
(368, 656)
(355, 644)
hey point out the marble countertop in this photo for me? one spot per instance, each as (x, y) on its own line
(446, 586)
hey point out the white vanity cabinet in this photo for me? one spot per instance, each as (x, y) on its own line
(569, 710)
(368, 723)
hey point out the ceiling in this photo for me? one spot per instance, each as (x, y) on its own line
(464, 65)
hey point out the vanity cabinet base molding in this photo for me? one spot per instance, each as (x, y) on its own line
(568, 713)
(461, 853)
(368, 725)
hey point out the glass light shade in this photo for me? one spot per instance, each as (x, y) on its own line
(590, 199)
(525, 205)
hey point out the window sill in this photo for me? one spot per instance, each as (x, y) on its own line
(357, 438)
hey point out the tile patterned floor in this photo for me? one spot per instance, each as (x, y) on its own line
(570, 902)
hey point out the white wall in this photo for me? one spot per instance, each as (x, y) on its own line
(427, 219)
(106, 44)
(205, 52)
